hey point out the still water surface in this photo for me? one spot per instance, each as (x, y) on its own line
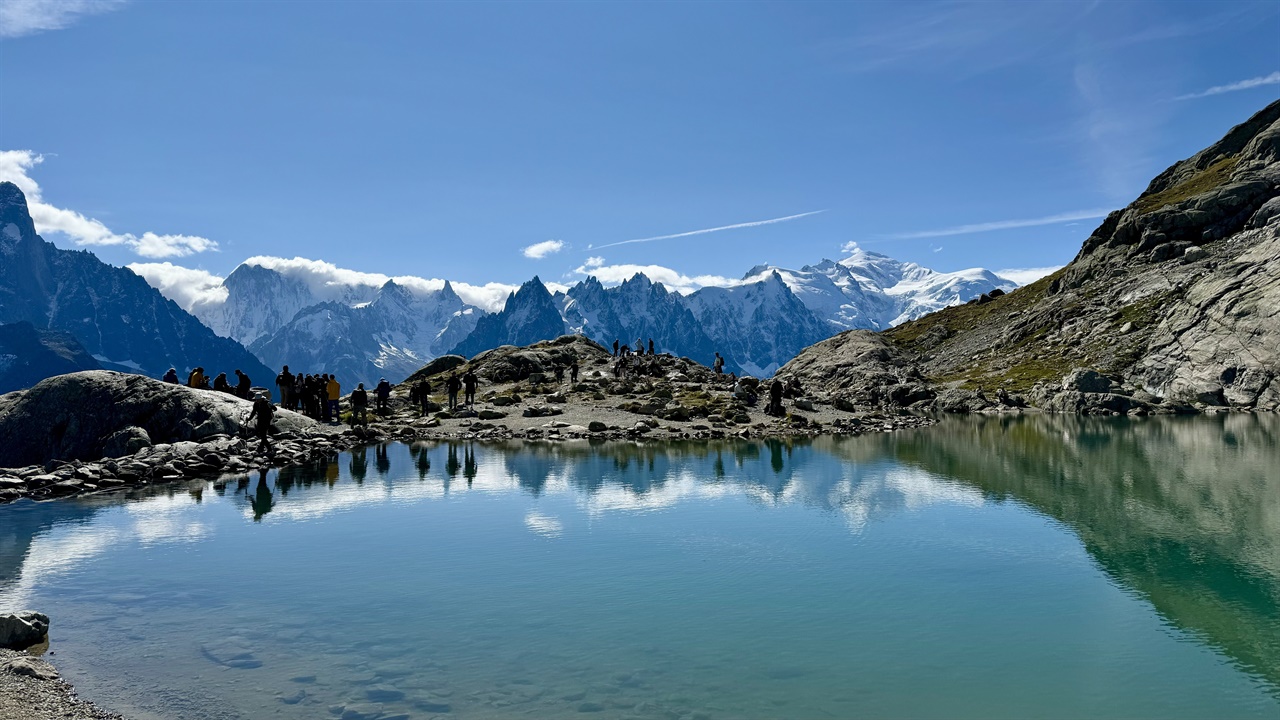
(988, 567)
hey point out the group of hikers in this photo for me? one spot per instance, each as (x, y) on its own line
(420, 392)
(197, 379)
(626, 350)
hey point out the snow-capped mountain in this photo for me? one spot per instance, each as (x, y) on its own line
(316, 317)
(637, 309)
(757, 326)
(390, 336)
(529, 315)
(120, 320)
(872, 291)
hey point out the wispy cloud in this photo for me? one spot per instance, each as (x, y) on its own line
(28, 17)
(15, 166)
(754, 223)
(537, 251)
(1272, 79)
(999, 225)
(672, 279)
(1026, 276)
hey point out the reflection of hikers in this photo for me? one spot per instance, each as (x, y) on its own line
(197, 379)
(284, 381)
(775, 398)
(718, 365)
(453, 385)
(573, 372)
(262, 500)
(615, 348)
(171, 376)
(383, 391)
(242, 385)
(360, 404)
(470, 382)
(263, 410)
(334, 392)
(381, 461)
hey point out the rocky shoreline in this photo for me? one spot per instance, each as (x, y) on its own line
(31, 689)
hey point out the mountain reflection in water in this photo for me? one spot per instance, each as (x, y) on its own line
(1184, 512)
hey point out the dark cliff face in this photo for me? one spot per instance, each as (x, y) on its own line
(111, 311)
(28, 355)
(638, 309)
(1172, 303)
(530, 315)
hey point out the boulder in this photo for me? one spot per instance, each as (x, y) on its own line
(597, 426)
(22, 630)
(30, 667)
(98, 413)
(490, 415)
(1086, 380)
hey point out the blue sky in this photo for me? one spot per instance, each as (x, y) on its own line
(440, 140)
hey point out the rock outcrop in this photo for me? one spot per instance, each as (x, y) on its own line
(1172, 305)
(22, 630)
(101, 413)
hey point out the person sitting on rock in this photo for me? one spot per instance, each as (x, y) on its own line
(220, 383)
(453, 385)
(197, 379)
(360, 405)
(171, 376)
(470, 382)
(263, 410)
(243, 385)
(383, 391)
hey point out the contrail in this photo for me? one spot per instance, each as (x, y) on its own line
(1000, 225)
(710, 230)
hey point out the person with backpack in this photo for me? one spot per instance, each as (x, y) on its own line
(360, 404)
(453, 385)
(264, 411)
(383, 391)
(284, 382)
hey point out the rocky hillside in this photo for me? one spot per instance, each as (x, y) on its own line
(120, 320)
(28, 355)
(1171, 304)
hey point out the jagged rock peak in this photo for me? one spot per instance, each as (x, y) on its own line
(13, 211)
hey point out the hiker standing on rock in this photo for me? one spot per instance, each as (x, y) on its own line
(718, 365)
(333, 393)
(470, 382)
(573, 371)
(650, 346)
(383, 391)
(284, 382)
(263, 410)
(453, 385)
(360, 404)
(424, 396)
(775, 398)
(615, 347)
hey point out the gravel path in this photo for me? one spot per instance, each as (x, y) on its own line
(30, 689)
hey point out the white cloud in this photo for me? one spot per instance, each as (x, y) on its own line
(594, 261)
(28, 17)
(15, 166)
(1026, 276)
(537, 251)
(1272, 79)
(1001, 225)
(753, 223)
(188, 287)
(671, 279)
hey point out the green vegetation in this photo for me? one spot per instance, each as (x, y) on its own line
(1203, 181)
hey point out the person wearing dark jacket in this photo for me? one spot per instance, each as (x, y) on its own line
(775, 398)
(263, 410)
(360, 404)
(424, 396)
(469, 383)
(171, 376)
(243, 385)
(383, 391)
(220, 383)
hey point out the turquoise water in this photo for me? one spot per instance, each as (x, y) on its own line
(985, 568)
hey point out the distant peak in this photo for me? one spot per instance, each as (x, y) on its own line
(13, 211)
(757, 270)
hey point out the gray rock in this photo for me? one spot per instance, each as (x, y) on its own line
(22, 630)
(78, 416)
(30, 667)
(1086, 380)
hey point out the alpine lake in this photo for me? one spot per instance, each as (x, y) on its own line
(986, 567)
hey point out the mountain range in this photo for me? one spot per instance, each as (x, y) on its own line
(366, 331)
(111, 312)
